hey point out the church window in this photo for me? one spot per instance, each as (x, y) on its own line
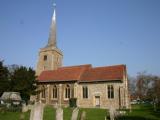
(72, 93)
(43, 94)
(110, 91)
(55, 92)
(45, 57)
(85, 92)
(67, 92)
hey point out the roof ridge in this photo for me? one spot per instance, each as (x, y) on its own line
(74, 66)
(108, 66)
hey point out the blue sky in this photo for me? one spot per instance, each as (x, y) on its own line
(97, 32)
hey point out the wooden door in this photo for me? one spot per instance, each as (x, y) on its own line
(97, 101)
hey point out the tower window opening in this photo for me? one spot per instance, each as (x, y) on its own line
(45, 58)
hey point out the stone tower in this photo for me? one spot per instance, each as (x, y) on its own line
(50, 57)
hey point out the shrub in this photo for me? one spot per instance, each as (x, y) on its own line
(11, 106)
(73, 102)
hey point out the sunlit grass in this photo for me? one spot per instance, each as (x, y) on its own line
(142, 112)
(49, 113)
(67, 113)
(93, 113)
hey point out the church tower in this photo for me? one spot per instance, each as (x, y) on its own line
(50, 57)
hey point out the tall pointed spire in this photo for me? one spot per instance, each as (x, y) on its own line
(50, 57)
(52, 34)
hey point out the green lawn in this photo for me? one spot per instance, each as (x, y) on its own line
(93, 113)
(14, 115)
(142, 112)
(49, 113)
(67, 113)
(139, 112)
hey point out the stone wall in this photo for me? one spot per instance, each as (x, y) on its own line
(97, 89)
(53, 61)
(100, 90)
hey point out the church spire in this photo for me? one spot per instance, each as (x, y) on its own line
(52, 34)
(50, 57)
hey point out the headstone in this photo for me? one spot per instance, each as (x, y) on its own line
(75, 114)
(112, 113)
(59, 113)
(37, 112)
(22, 117)
(24, 107)
(83, 115)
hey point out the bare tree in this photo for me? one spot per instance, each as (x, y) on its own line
(148, 88)
(143, 85)
(132, 85)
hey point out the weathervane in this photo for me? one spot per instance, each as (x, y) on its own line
(54, 4)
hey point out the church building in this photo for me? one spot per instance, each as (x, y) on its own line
(102, 87)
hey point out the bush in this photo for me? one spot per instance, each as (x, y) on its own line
(73, 102)
(14, 109)
(11, 106)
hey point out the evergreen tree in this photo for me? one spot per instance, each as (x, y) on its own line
(24, 81)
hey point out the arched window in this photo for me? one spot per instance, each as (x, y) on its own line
(55, 92)
(43, 94)
(110, 92)
(67, 92)
(85, 92)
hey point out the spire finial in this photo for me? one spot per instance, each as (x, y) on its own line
(54, 5)
(52, 34)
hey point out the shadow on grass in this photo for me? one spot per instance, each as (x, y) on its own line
(156, 114)
(134, 118)
(14, 115)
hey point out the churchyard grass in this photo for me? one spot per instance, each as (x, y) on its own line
(49, 113)
(67, 113)
(142, 112)
(139, 112)
(93, 113)
(14, 115)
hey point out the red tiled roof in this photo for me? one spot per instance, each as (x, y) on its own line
(63, 73)
(104, 73)
(84, 73)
